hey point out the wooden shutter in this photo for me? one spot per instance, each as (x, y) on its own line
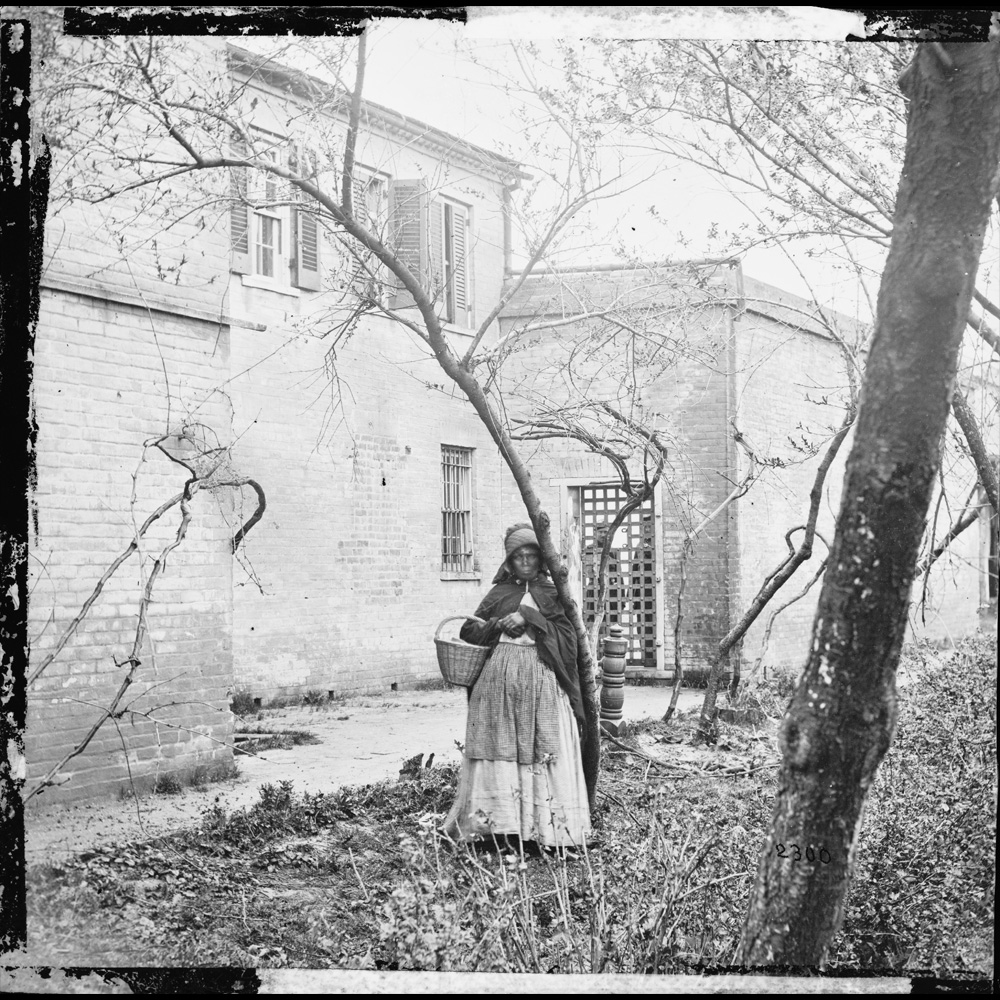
(305, 271)
(460, 265)
(359, 200)
(436, 275)
(239, 213)
(368, 273)
(407, 237)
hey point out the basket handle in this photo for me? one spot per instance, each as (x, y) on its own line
(471, 618)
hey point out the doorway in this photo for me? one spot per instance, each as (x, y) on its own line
(632, 574)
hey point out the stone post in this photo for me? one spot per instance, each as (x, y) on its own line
(613, 680)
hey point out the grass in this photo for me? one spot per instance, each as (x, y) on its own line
(244, 705)
(260, 738)
(434, 684)
(167, 784)
(358, 878)
(173, 782)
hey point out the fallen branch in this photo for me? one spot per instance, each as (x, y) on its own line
(364, 889)
(645, 756)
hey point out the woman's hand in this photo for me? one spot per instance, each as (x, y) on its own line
(513, 624)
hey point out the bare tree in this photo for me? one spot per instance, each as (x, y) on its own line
(161, 133)
(841, 720)
(779, 125)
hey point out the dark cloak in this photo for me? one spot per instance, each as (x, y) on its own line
(549, 626)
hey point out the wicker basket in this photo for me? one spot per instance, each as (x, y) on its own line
(460, 662)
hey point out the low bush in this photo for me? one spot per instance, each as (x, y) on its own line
(360, 878)
(242, 703)
(923, 893)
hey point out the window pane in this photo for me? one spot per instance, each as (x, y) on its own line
(268, 244)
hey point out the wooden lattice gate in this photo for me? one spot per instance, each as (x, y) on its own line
(631, 570)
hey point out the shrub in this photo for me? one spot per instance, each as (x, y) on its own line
(242, 703)
(166, 783)
(923, 892)
(652, 901)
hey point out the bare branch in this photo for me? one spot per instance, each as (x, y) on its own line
(988, 304)
(978, 323)
(133, 660)
(970, 428)
(347, 194)
(966, 520)
(108, 573)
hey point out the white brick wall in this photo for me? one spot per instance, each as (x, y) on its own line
(100, 393)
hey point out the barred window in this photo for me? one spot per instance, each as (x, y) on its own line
(456, 510)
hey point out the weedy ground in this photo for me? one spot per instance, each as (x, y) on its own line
(359, 878)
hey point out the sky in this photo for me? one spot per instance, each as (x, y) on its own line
(444, 74)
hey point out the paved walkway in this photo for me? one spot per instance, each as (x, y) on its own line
(362, 740)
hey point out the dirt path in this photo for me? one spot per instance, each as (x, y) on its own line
(362, 740)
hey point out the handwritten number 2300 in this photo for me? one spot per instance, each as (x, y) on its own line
(824, 854)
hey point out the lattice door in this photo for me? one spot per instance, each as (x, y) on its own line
(631, 569)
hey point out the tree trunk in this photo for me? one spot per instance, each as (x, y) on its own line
(586, 665)
(841, 719)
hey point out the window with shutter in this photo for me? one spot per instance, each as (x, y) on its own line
(367, 275)
(304, 264)
(274, 239)
(456, 266)
(269, 225)
(436, 271)
(431, 237)
(407, 236)
(239, 212)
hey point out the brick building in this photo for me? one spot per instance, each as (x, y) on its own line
(221, 331)
(753, 388)
(234, 328)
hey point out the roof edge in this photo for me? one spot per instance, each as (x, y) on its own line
(303, 85)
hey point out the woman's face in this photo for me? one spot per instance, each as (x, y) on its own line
(526, 562)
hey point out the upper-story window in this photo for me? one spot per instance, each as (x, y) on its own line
(274, 230)
(276, 233)
(455, 263)
(270, 223)
(431, 234)
(364, 273)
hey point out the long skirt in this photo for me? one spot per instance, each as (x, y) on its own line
(544, 801)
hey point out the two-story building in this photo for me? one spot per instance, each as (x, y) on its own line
(229, 325)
